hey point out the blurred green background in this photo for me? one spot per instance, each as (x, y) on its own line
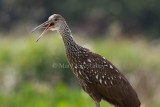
(126, 32)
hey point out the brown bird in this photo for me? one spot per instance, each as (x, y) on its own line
(97, 76)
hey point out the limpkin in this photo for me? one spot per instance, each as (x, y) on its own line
(97, 76)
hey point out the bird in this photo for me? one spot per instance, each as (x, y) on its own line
(97, 76)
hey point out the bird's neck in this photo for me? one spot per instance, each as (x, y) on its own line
(68, 40)
(73, 50)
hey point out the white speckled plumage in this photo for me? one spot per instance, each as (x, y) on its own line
(97, 76)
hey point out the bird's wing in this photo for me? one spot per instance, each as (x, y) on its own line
(108, 80)
(101, 78)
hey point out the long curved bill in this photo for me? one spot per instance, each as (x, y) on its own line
(50, 26)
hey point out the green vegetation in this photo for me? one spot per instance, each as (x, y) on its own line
(34, 96)
(134, 16)
(38, 75)
(30, 74)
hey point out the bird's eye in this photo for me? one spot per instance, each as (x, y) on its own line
(51, 24)
(55, 19)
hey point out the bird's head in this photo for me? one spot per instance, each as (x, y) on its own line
(54, 22)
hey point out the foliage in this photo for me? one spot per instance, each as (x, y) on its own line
(133, 15)
(30, 74)
(28, 95)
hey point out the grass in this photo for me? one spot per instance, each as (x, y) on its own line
(29, 78)
(30, 95)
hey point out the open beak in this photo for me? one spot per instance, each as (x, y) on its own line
(49, 24)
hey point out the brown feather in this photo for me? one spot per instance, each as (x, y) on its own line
(97, 76)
